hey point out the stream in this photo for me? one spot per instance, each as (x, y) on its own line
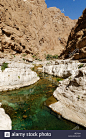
(28, 107)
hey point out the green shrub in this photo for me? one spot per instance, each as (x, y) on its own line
(24, 55)
(19, 77)
(78, 97)
(48, 63)
(39, 59)
(4, 66)
(50, 57)
(59, 79)
(33, 56)
(55, 56)
(33, 68)
(69, 78)
(80, 66)
(23, 59)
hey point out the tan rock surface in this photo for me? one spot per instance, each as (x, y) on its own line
(30, 27)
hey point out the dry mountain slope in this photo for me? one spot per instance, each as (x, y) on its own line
(28, 26)
(76, 45)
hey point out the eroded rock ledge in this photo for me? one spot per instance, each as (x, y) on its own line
(17, 75)
(71, 93)
(62, 68)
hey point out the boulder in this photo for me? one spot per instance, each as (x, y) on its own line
(28, 58)
(5, 121)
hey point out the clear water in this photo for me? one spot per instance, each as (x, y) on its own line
(28, 110)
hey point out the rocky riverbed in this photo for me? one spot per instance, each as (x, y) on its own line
(70, 93)
(17, 75)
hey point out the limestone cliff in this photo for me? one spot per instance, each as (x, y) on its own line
(71, 92)
(28, 26)
(71, 96)
(76, 45)
(17, 75)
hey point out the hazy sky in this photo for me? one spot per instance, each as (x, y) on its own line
(71, 8)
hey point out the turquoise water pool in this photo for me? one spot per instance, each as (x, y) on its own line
(28, 110)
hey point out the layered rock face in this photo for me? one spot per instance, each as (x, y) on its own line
(71, 92)
(17, 75)
(76, 45)
(28, 26)
(71, 96)
(61, 68)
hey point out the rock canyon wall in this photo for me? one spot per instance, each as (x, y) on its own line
(28, 26)
(76, 45)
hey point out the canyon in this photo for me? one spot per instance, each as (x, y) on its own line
(29, 31)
